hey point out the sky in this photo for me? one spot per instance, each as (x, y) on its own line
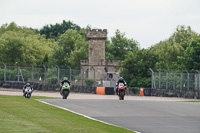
(146, 21)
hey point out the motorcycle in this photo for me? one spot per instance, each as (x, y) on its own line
(65, 90)
(121, 91)
(27, 92)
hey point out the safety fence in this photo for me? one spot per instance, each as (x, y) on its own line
(176, 83)
(42, 78)
(164, 83)
(48, 79)
(46, 75)
(43, 74)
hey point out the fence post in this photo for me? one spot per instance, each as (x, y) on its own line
(181, 85)
(82, 75)
(159, 78)
(166, 79)
(152, 79)
(17, 71)
(70, 72)
(32, 71)
(45, 70)
(188, 79)
(174, 83)
(94, 76)
(198, 77)
(58, 73)
(5, 67)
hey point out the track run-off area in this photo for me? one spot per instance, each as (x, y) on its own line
(141, 114)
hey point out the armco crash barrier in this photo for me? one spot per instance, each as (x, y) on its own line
(105, 90)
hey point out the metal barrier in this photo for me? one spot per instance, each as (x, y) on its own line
(170, 80)
(42, 75)
(176, 83)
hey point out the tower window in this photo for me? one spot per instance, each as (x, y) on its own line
(110, 75)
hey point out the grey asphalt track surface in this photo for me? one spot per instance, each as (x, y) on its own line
(142, 116)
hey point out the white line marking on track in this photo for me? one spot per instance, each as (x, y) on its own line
(83, 115)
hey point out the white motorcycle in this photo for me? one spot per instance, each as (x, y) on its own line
(27, 92)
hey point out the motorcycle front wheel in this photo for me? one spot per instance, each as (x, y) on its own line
(121, 95)
(65, 94)
(27, 95)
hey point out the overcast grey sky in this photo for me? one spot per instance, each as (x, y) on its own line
(146, 21)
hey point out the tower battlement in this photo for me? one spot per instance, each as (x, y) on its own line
(97, 62)
(97, 34)
(84, 62)
(112, 63)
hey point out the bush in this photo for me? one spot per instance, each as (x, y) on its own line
(26, 74)
(52, 80)
(2, 74)
(89, 81)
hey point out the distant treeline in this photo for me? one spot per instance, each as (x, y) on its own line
(65, 45)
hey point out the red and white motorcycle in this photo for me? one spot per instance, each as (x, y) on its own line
(121, 91)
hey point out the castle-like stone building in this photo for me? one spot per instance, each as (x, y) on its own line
(97, 66)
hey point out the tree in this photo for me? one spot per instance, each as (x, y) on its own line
(168, 54)
(183, 36)
(53, 31)
(119, 46)
(72, 47)
(171, 50)
(136, 67)
(191, 58)
(23, 45)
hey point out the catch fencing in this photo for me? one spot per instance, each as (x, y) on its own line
(37, 74)
(176, 83)
(43, 78)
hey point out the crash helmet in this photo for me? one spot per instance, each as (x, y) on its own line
(121, 79)
(28, 84)
(65, 78)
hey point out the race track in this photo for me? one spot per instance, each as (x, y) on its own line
(139, 115)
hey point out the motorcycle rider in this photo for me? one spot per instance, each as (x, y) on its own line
(121, 80)
(27, 85)
(65, 79)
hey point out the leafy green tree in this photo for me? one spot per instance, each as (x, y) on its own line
(168, 54)
(53, 31)
(23, 45)
(183, 36)
(136, 67)
(191, 57)
(171, 50)
(119, 46)
(72, 47)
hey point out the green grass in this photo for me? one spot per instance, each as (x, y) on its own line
(190, 101)
(20, 115)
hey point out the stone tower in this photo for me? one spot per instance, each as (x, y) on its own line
(96, 65)
(97, 47)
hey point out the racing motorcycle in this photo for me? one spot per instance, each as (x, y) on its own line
(121, 91)
(27, 92)
(65, 90)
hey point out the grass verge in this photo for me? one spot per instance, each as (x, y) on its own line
(20, 115)
(190, 101)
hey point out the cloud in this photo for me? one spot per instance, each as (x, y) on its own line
(146, 21)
